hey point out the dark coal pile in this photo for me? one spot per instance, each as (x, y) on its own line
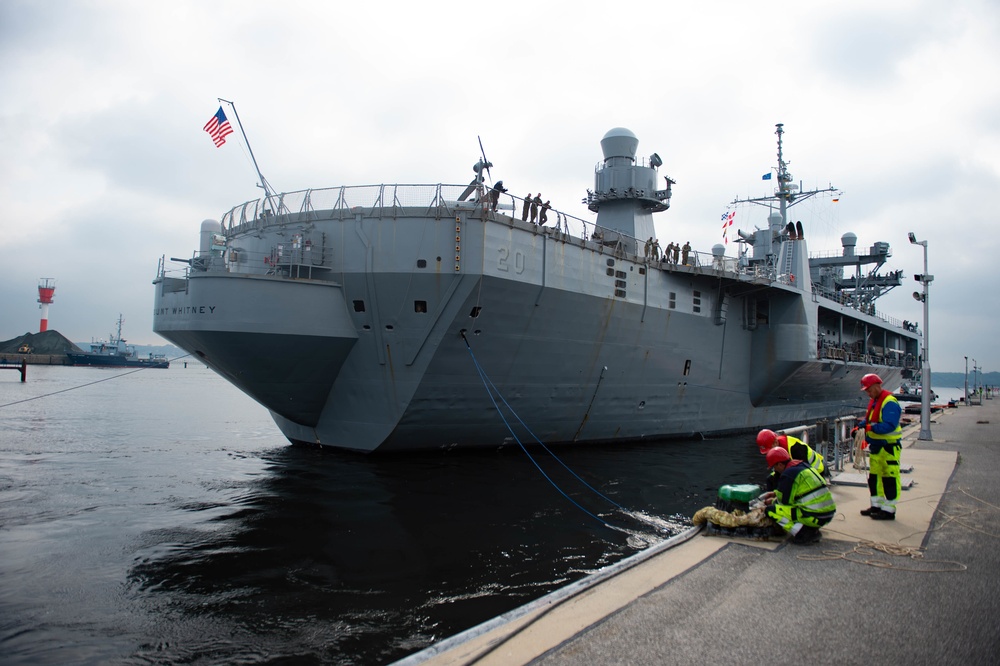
(47, 342)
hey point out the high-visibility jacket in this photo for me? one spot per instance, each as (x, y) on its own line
(882, 422)
(802, 496)
(799, 450)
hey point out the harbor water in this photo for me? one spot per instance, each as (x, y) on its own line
(158, 516)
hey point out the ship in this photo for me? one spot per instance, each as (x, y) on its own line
(401, 317)
(116, 353)
(911, 393)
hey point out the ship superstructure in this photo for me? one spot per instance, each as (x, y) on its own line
(361, 317)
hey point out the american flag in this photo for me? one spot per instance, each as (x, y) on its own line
(218, 128)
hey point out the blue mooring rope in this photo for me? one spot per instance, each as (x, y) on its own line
(488, 383)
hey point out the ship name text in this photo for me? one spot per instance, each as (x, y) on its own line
(185, 310)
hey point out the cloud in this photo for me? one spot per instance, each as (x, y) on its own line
(106, 167)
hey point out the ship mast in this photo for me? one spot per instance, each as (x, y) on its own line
(786, 195)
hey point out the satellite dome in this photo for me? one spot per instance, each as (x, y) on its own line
(619, 142)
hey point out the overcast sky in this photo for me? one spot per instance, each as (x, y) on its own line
(105, 167)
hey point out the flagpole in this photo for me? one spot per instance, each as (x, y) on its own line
(263, 181)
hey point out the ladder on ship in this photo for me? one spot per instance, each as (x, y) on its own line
(786, 268)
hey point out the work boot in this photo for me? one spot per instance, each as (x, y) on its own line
(880, 514)
(869, 511)
(806, 536)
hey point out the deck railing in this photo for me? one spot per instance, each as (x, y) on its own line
(442, 200)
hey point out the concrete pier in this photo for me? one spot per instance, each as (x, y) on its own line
(923, 589)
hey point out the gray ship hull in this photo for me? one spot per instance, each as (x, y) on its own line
(381, 345)
(413, 317)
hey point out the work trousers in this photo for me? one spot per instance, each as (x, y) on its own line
(883, 475)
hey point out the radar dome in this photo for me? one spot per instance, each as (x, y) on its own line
(619, 142)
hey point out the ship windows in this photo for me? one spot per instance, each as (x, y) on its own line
(475, 311)
(611, 272)
(420, 306)
(620, 293)
(620, 284)
(672, 300)
(421, 263)
(642, 270)
(696, 302)
(620, 275)
(359, 306)
(611, 262)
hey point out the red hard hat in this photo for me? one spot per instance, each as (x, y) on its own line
(766, 439)
(869, 380)
(777, 455)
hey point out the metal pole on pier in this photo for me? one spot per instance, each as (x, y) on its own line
(966, 400)
(925, 370)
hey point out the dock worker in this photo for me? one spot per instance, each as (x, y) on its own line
(802, 502)
(797, 449)
(882, 432)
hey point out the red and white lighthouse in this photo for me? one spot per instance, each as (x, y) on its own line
(46, 290)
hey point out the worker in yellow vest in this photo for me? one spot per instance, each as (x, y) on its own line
(797, 450)
(883, 434)
(802, 502)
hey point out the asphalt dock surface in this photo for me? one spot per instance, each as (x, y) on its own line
(923, 589)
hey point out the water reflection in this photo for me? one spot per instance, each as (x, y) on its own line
(346, 558)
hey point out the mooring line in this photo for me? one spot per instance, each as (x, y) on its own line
(96, 381)
(487, 384)
(540, 442)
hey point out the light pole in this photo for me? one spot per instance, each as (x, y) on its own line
(925, 366)
(966, 401)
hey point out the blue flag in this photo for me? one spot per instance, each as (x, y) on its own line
(766, 176)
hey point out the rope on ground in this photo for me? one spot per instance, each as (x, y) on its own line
(865, 551)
